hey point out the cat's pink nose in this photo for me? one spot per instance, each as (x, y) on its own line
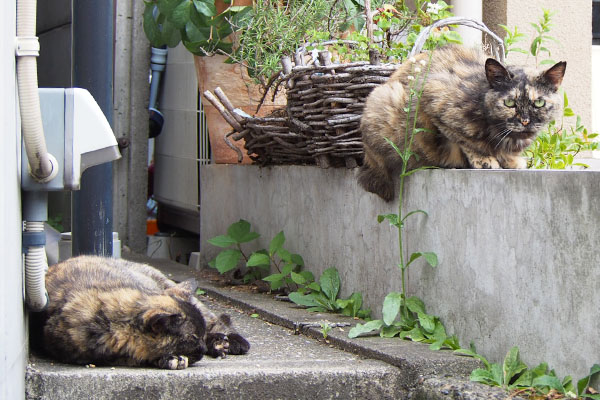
(525, 121)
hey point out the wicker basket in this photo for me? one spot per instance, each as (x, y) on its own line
(321, 123)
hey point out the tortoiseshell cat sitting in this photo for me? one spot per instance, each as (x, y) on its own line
(476, 114)
(109, 311)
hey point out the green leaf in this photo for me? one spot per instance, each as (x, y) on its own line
(151, 26)
(415, 305)
(181, 14)
(391, 307)
(484, 376)
(357, 302)
(330, 283)
(276, 243)
(240, 232)
(396, 148)
(308, 276)
(287, 269)
(206, 8)
(523, 381)
(474, 354)
(222, 241)
(512, 365)
(257, 259)
(453, 37)
(413, 257)
(431, 258)
(427, 322)
(298, 260)
(392, 218)
(583, 383)
(414, 334)
(390, 331)
(314, 286)
(548, 381)
(368, 327)
(297, 278)
(303, 300)
(227, 260)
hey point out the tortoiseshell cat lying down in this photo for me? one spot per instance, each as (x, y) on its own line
(109, 311)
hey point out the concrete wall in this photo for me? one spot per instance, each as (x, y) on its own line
(130, 124)
(13, 336)
(517, 249)
(572, 27)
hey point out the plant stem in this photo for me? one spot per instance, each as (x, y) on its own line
(405, 161)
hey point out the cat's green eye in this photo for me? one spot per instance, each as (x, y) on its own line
(509, 102)
(539, 103)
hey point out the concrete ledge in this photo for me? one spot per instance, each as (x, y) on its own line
(518, 249)
(282, 363)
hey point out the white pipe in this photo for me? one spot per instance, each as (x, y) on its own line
(36, 265)
(470, 9)
(41, 166)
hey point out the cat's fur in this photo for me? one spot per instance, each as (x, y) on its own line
(109, 311)
(462, 109)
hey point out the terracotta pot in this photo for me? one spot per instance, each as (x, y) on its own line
(213, 72)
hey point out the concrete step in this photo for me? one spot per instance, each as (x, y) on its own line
(289, 359)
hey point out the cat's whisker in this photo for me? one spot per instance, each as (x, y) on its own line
(508, 132)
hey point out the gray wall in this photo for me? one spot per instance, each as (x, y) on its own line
(13, 343)
(130, 116)
(517, 249)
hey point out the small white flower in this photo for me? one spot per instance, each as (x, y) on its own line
(423, 62)
(410, 78)
(412, 60)
(417, 70)
(433, 8)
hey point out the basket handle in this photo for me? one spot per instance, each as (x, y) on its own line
(470, 22)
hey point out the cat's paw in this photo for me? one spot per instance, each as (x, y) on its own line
(217, 344)
(485, 163)
(237, 344)
(514, 163)
(173, 362)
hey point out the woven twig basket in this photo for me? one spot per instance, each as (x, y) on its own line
(321, 123)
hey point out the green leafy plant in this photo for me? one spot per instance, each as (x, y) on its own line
(195, 23)
(515, 376)
(275, 29)
(325, 329)
(283, 261)
(407, 318)
(539, 43)
(402, 316)
(258, 262)
(558, 144)
(322, 296)
(395, 28)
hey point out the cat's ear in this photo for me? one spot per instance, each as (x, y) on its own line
(162, 322)
(495, 72)
(554, 75)
(184, 289)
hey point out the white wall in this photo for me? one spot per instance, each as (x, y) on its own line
(13, 348)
